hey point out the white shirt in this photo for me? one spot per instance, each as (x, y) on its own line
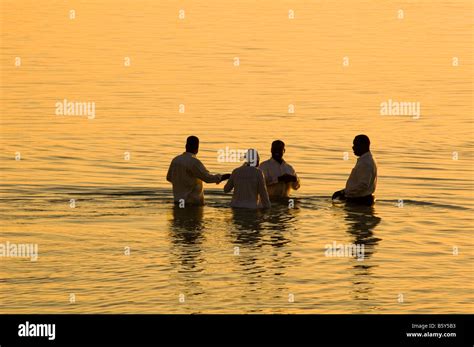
(186, 173)
(363, 178)
(272, 170)
(249, 187)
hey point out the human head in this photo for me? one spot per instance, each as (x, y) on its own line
(278, 148)
(192, 144)
(361, 145)
(252, 158)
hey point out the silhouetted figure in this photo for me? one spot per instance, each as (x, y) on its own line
(362, 181)
(186, 173)
(248, 183)
(280, 176)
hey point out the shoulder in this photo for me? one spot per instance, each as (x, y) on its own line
(289, 167)
(265, 164)
(175, 159)
(368, 160)
(194, 160)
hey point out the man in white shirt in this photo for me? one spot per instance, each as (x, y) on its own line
(248, 184)
(280, 176)
(186, 173)
(362, 181)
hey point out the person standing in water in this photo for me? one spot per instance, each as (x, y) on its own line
(280, 176)
(187, 172)
(248, 183)
(362, 181)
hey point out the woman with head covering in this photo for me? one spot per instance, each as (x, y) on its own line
(248, 183)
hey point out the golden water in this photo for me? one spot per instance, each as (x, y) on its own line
(174, 255)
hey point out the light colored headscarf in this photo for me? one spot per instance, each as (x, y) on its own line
(252, 157)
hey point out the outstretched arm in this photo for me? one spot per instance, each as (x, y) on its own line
(202, 173)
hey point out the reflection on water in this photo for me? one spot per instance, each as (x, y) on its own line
(255, 229)
(248, 226)
(361, 222)
(187, 222)
(187, 259)
(262, 245)
(193, 252)
(186, 235)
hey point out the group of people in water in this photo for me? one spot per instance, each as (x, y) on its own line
(255, 185)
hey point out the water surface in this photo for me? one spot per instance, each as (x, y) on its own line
(279, 265)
